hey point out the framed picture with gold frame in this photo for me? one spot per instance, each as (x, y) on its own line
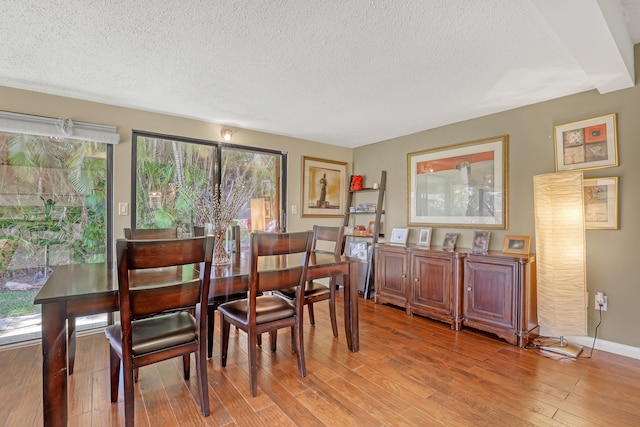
(324, 187)
(587, 144)
(601, 203)
(516, 244)
(463, 185)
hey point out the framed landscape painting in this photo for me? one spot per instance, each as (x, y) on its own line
(463, 185)
(324, 187)
(587, 144)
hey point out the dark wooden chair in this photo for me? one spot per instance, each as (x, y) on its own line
(156, 320)
(215, 301)
(325, 240)
(267, 313)
(129, 233)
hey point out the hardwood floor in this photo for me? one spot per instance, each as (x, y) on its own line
(410, 371)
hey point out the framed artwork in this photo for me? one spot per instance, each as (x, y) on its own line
(601, 203)
(424, 238)
(516, 244)
(399, 236)
(587, 144)
(324, 187)
(371, 229)
(462, 185)
(449, 242)
(480, 241)
(358, 250)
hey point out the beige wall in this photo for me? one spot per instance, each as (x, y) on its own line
(126, 119)
(611, 254)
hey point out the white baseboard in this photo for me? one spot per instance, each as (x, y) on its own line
(608, 346)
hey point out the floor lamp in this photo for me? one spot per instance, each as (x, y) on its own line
(561, 258)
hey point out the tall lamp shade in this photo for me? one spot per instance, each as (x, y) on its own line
(561, 254)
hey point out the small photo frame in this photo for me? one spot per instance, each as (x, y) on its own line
(449, 242)
(371, 229)
(399, 236)
(424, 238)
(516, 244)
(480, 242)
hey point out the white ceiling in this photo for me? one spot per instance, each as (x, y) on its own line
(349, 73)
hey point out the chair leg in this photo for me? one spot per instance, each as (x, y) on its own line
(114, 367)
(312, 318)
(273, 339)
(186, 365)
(332, 308)
(203, 385)
(211, 312)
(259, 340)
(252, 340)
(127, 375)
(224, 340)
(293, 339)
(299, 347)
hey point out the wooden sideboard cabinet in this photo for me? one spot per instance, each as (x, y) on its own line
(436, 285)
(500, 295)
(391, 275)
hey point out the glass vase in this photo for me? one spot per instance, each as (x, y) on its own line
(220, 254)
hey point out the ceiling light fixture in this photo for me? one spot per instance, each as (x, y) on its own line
(226, 134)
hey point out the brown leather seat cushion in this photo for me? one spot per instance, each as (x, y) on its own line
(312, 290)
(268, 309)
(156, 332)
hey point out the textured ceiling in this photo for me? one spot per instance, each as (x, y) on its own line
(349, 72)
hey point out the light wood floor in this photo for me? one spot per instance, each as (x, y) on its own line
(410, 371)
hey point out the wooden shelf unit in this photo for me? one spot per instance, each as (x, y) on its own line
(353, 197)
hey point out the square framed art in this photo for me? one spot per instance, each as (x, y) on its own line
(587, 144)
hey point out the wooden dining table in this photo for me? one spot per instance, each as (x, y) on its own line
(83, 289)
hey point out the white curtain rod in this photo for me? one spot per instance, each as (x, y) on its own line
(59, 128)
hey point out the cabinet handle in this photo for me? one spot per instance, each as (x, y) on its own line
(416, 280)
(404, 276)
(469, 288)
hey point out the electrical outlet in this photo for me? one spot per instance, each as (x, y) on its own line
(294, 209)
(600, 300)
(123, 208)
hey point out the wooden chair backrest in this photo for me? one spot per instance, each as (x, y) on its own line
(282, 274)
(145, 290)
(152, 233)
(325, 238)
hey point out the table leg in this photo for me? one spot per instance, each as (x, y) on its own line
(351, 320)
(353, 308)
(54, 364)
(346, 282)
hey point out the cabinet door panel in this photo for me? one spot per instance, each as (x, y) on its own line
(391, 276)
(432, 283)
(489, 293)
(392, 269)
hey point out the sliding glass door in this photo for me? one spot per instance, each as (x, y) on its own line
(170, 172)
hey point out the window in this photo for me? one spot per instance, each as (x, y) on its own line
(54, 209)
(168, 172)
